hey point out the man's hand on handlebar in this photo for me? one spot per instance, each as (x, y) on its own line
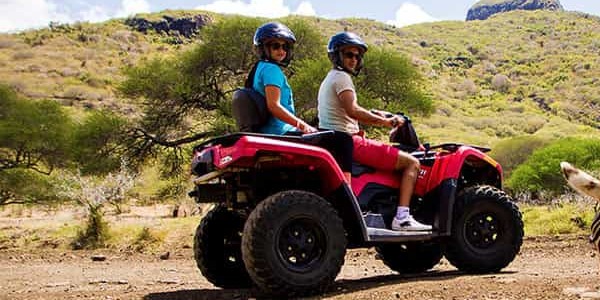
(395, 121)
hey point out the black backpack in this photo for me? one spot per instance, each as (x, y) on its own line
(249, 106)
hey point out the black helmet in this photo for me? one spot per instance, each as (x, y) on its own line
(341, 40)
(273, 30)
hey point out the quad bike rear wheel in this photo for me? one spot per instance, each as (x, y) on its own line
(293, 244)
(487, 231)
(217, 249)
(410, 257)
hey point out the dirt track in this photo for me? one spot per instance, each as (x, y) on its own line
(547, 268)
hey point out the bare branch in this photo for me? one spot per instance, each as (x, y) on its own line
(175, 143)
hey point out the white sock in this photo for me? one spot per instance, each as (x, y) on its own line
(402, 212)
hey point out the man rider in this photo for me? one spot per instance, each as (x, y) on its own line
(338, 110)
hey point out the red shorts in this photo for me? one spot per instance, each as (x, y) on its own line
(374, 154)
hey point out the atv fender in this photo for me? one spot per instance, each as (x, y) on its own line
(248, 149)
(465, 158)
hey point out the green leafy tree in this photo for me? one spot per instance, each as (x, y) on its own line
(188, 97)
(97, 142)
(541, 171)
(306, 82)
(36, 137)
(390, 81)
(24, 186)
(34, 140)
(33, 134)
(177, 92)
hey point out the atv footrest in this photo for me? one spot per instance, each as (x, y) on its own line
(385, 235)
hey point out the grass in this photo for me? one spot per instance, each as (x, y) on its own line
(158, 234)
(556, 219)
(147, 234)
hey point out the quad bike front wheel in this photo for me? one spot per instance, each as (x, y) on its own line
(410, 257)
(217, 249)
(487, 230)
(293, 244)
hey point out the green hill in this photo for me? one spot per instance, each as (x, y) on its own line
(517, 73)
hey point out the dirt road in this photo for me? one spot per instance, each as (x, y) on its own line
(547, 268)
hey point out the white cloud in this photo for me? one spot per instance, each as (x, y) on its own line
(305, 9)
(409, 14)
(23, 14)
(132, 7)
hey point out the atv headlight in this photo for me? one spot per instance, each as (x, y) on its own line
(202, 162)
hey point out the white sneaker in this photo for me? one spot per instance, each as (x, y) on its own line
(409, 224)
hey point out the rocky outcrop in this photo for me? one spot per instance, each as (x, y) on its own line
(485, 8)
(185, 26)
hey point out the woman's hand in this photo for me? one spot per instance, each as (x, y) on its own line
(304, 127)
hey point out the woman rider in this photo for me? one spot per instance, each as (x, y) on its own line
(273, 43)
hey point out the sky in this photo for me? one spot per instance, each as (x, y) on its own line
(18, 15)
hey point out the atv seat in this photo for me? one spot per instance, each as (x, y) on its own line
(249, 110)
(228, 140)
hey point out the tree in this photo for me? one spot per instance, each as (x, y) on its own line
(37, 137)
(188, 97)
(389, 80)
(34, 139)
(23, 186)
(177, 92)
(33, 134)
(96, 143)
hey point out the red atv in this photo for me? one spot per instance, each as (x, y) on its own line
(284, 215)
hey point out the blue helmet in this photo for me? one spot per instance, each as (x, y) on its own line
(273, 30)
(341, 40)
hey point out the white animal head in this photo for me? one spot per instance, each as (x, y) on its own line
(582, 182)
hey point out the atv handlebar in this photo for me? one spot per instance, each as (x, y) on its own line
(388, 114)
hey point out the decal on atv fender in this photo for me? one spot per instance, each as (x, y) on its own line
(225, 159)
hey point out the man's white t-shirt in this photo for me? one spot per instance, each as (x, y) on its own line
(332, 114)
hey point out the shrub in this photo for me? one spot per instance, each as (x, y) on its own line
(23, 55)
(541, 171)
(514, 151)
(145, 239)
(6, 43)
(93, 193)
(95, 234)
(501, 83)
(468, 86)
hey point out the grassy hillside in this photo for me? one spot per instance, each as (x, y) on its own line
(523, 72)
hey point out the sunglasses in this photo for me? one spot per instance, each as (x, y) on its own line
(351, 55)
(277, 46)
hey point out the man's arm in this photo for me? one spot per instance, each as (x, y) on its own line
(355, 111)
